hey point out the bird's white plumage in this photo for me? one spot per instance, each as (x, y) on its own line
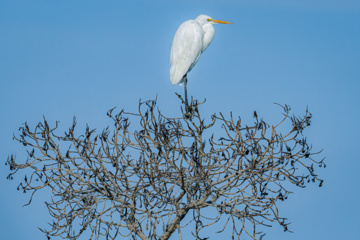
(190, 40)
(185, 50)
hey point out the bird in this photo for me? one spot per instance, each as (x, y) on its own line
(190, 41)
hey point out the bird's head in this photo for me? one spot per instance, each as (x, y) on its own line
(203, 19)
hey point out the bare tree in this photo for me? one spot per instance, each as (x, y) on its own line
(164, 177)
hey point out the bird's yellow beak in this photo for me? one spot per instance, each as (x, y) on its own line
(219, 21)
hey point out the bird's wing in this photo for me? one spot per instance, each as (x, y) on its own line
(185, 50)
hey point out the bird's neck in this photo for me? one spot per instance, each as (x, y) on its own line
(209, 33)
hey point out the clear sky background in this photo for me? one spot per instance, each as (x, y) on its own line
(66, 58)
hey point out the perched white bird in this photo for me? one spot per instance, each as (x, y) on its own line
(190, 40)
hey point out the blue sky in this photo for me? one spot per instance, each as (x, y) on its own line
(66, 58)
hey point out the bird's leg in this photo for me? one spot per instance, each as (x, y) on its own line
(186, 99)
(189, 112)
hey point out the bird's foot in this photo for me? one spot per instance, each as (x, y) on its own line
(189, 112)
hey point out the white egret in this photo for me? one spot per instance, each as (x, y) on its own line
(190, 40)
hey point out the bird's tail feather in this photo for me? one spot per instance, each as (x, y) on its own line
(175, 76)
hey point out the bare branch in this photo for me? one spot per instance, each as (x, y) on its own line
(141, 178)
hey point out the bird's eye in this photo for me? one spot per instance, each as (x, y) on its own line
(209, 19)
